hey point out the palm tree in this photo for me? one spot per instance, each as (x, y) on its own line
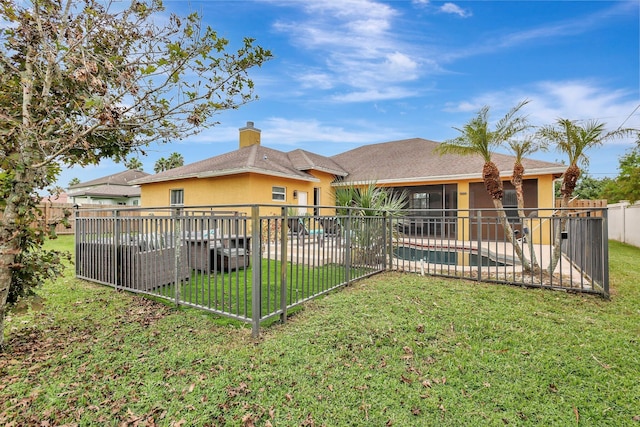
(160, 165)
(574, 139)
(173, 161)
(133, 164)
(521, 149)
(477, 139)
(365, 205)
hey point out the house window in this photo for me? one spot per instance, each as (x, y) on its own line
(279, 193)
(177, 197)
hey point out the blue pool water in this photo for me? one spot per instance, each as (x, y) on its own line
(440, 256)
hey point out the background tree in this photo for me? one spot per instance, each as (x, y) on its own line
(574, 140)
(133, 164)
(589, 188)
(80, 82)
(173, 161)
(476, 138)
(626, 186)
(74, 181)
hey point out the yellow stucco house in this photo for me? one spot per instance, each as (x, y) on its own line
(255, 174)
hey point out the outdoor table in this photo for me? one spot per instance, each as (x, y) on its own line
(227, 251)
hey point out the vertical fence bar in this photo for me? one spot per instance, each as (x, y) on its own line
(347, 261)
(284, 231)
(79, 234)
(256, 277)
(177, 242)
(479, 244)
(116, 246)
(389, 242)
(385, 245)
(605, 252)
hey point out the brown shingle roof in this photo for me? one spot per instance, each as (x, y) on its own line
(305, 160)
(256, 159)
(109, 191)
(415, 160)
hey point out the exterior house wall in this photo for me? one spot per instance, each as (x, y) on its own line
(245, 188)
(538, 194)
(540, 197)
(95, 200)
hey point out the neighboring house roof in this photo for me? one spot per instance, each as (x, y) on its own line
(414, 160)
(256, 159)
(109, 191)
(120, 178)
(118, 185)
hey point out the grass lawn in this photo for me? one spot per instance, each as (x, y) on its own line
(394, 349)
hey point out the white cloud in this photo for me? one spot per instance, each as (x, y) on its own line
(550, 100)
(279, 131)
(455, 9)
(315, 80)
(550, 31)
(359, 50)
(375, 94)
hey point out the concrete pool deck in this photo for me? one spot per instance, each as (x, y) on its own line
(313, 251)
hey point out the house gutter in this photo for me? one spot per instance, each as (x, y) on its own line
(228, 172)
(528, 173)
(258, 171)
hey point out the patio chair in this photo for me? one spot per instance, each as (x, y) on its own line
(297, 226)
(330, 227)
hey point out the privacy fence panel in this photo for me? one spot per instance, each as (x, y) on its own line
(623, 222)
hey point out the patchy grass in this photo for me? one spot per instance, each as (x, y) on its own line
(395, 349)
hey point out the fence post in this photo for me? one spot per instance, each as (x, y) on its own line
(79, 231)
(177, 243)
(116, 246)
(284, 232)
(347, 264)
(479, 244)
(605, 252)
(388, 243)
(256, 276)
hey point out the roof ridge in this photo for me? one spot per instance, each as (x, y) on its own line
(310, 163)
(251, 159)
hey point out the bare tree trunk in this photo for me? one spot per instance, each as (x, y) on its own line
(526, 223)
(569, 181)
(559, 225)
(9, 249)
(526, 266)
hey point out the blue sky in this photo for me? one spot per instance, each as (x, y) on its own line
(353, 72)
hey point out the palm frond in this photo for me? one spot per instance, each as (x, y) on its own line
(574, 139)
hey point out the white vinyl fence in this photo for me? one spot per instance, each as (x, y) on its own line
(624, 222)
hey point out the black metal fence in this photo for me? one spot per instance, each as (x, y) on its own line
(238, 262)
(548, 252)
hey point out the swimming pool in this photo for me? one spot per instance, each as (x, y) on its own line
(443, 256)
